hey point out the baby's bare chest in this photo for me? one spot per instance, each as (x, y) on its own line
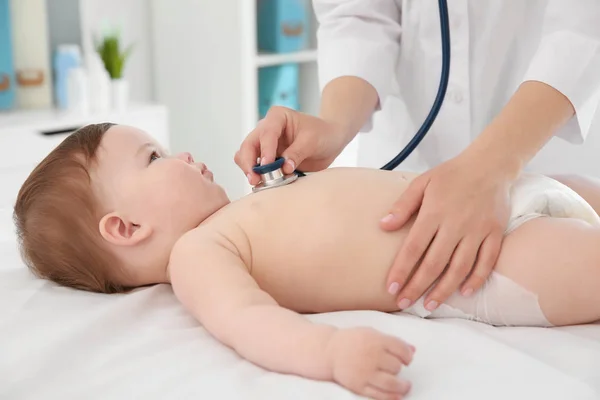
(319, 250)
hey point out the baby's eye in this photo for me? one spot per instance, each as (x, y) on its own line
(154, 156)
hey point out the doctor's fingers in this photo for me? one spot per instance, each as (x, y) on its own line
(416, 243)
(435, 261)
(461, 264)
(260, 145)
(247, 156)
(486, 261)
(304, 145)
(406, 206)
(275, 124)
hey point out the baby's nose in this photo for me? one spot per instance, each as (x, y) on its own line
(185, 156)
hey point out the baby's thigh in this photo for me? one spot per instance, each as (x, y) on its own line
(558, 259)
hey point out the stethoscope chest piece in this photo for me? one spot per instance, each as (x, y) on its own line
(272, 175)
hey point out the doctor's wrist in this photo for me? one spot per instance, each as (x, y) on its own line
(348, 102)
(493, 162)
(340, 132)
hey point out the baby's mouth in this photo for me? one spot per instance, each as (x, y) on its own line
(205, 171)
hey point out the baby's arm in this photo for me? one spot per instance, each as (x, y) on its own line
(212, 282)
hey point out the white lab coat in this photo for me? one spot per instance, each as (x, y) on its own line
(495, 46)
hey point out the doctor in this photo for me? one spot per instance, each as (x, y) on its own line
(521, 72)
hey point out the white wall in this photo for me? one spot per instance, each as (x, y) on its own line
(559, 156)
(64, 22)
(197, 63)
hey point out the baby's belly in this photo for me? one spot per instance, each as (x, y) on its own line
(317, 244)
(335, 269)
(322, 286)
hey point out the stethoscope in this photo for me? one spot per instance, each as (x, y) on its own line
(272, 175)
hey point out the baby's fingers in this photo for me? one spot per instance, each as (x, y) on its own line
(399, 349)
(389, 383)
(372, 393)
(386, 386)
(390, 364)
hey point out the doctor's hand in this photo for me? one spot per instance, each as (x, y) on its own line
(306, 142)
(462, 209)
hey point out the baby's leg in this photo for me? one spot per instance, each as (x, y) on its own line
(559, 260)
(548, 272)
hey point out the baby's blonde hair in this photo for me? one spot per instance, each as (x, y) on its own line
(57, 215)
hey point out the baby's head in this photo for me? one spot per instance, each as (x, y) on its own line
(103, 210)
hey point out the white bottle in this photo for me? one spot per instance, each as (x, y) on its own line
(78, 91)
(66, 57)
(99, 83)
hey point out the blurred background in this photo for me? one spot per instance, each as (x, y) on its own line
(196, 74)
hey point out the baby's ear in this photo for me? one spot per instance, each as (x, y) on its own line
(122, 232)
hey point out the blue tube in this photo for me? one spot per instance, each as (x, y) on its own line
(439, 99)
(437, 104)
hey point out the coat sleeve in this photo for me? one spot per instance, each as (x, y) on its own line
(568, 59)
(359, 38)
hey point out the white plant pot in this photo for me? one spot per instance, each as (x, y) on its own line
(99, 84)
(120, 94)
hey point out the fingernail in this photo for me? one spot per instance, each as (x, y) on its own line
(292, 164)
(467, 292)
(387, 218)
(405, 386)
(249, 177)
(393, 289)
(432, 305)
(412, 348)
(262, 161)
(404, 303)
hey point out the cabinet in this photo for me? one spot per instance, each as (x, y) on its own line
(7, 73)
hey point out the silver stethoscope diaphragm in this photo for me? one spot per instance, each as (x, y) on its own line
(272, 175)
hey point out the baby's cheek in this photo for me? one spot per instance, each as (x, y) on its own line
(152, 192)
(175, 174)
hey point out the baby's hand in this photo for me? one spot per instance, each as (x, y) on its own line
(367, 362)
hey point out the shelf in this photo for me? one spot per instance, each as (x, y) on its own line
(268, 59)
(52, 118)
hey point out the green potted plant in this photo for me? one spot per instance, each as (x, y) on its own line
(114, 59)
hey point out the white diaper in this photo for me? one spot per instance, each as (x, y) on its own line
(535, 196)
(501, 301)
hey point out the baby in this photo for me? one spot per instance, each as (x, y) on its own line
(109, 210)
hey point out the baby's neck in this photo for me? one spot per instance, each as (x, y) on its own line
(215, 213)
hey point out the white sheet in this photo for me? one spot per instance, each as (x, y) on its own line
(58, 343)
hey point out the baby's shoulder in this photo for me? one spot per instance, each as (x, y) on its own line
(217, 233)
(202, 247)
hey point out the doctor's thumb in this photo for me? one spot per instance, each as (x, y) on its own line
(294, 155)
